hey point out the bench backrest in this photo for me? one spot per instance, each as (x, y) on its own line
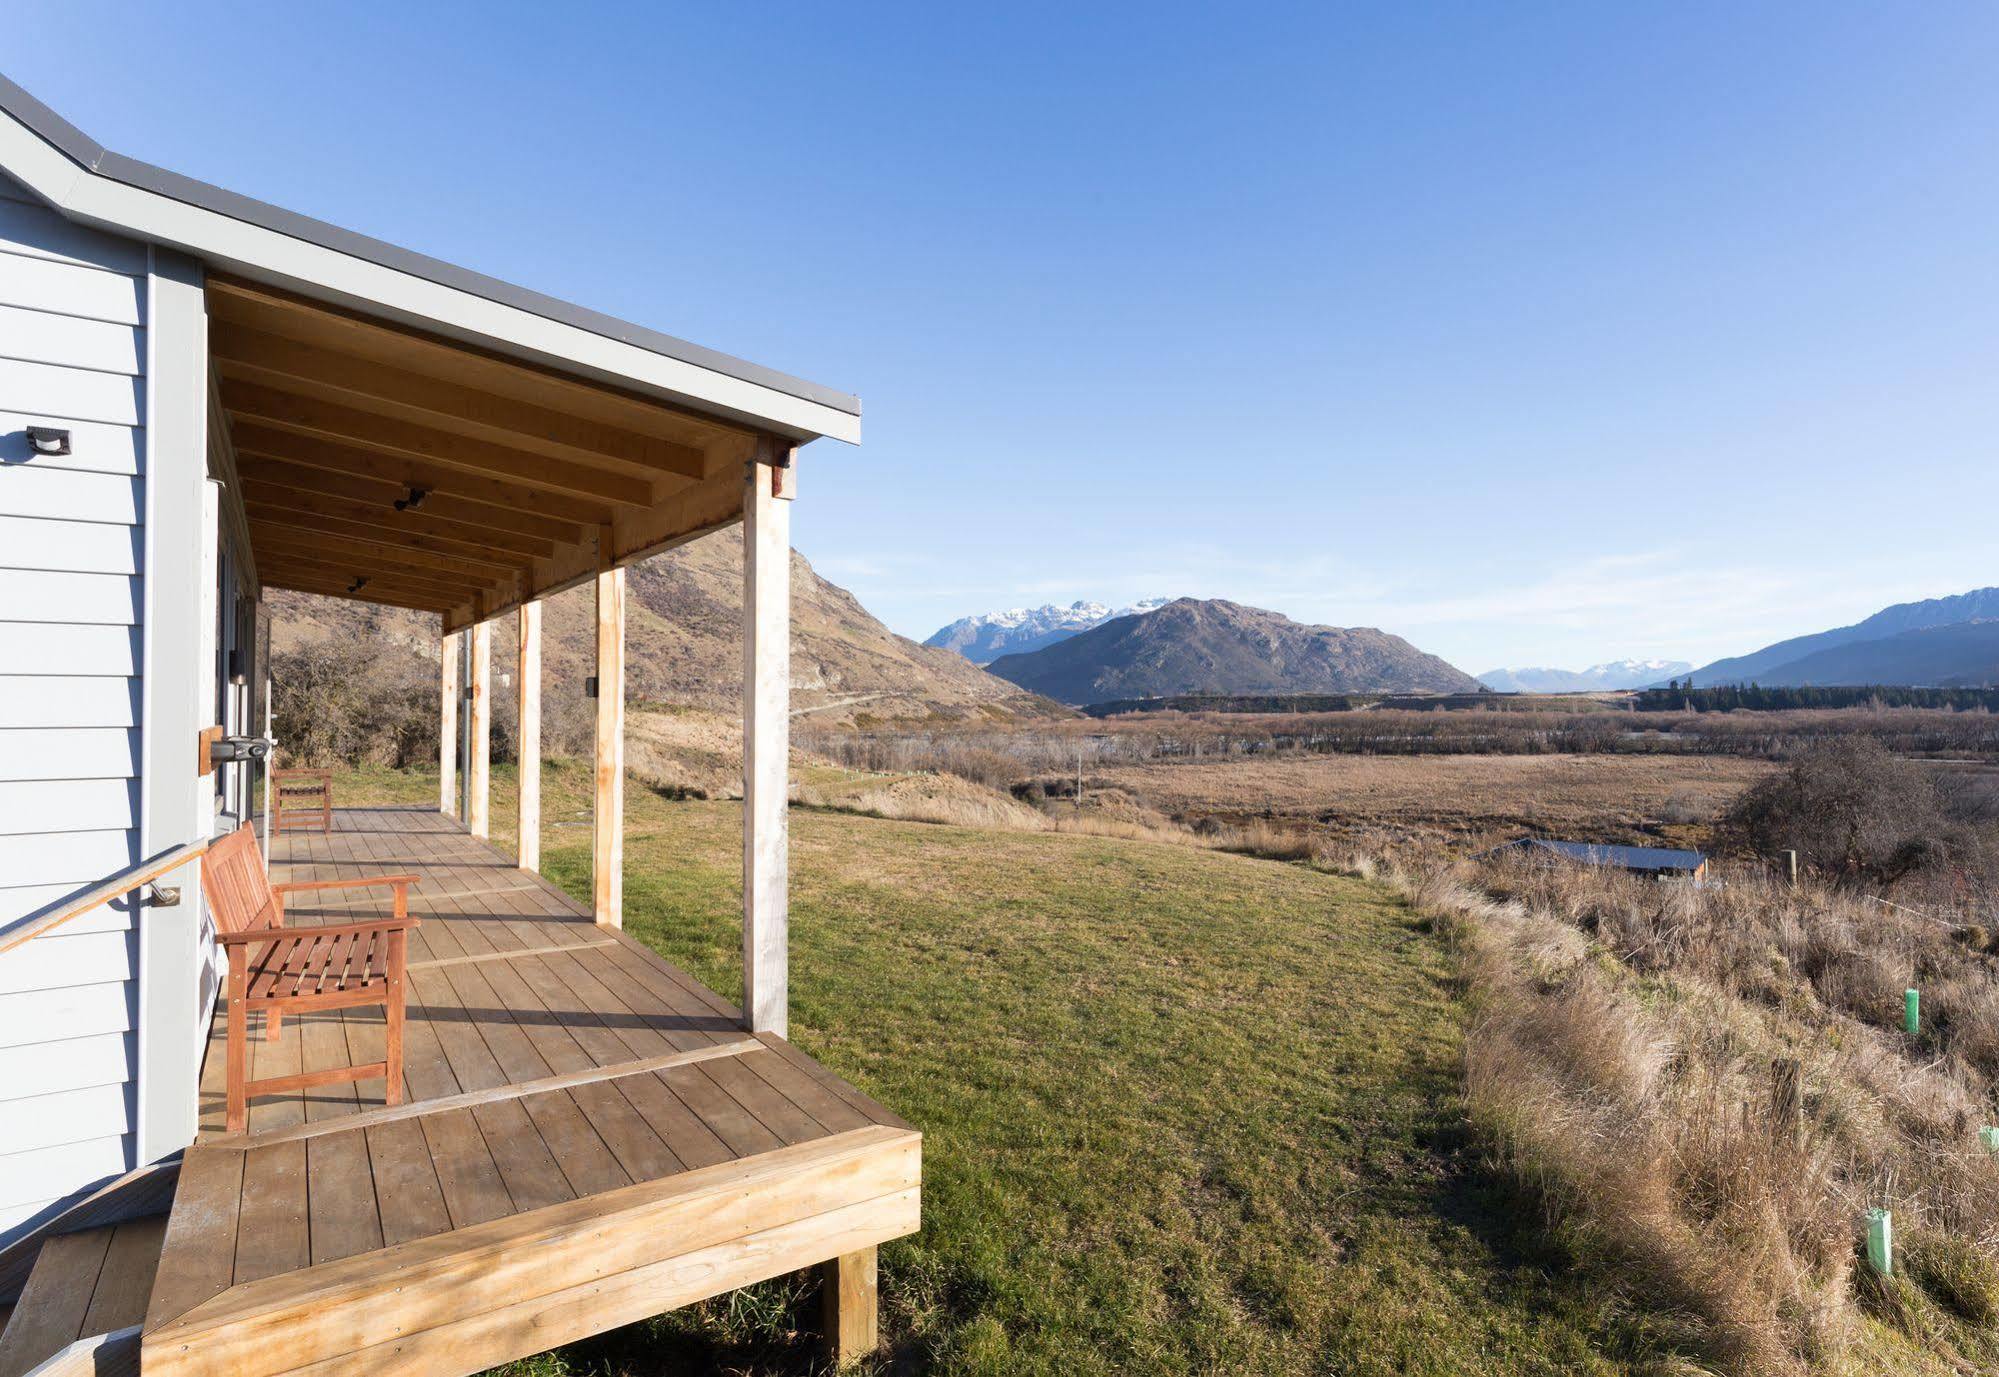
(238, 890)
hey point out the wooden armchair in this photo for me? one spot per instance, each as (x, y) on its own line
(275, 969)
(301, 799)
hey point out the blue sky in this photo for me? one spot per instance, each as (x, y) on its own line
(1540, 334)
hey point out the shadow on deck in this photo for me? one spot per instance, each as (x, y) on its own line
(587, 1137)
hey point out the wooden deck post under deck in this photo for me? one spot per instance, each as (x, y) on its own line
(767, 492)
(607, 852)
(528, 849)
(447, 724)
(479, 764)
(848, 1300)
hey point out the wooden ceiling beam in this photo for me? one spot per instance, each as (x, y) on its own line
(383, 494)
(259, 488)
(289, 545)
(332, 456)
(350, 426)
(425, 550)
(303, 583)
(714, 503)
(316, 323)
(330, 569)
(257, 356)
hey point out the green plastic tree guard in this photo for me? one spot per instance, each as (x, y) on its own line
(1881, 1241)
(1912, 1012)
(1988, 1138)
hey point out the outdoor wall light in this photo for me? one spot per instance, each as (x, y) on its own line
(412, 498)
(47, 440)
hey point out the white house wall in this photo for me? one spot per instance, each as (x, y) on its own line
(72, 609)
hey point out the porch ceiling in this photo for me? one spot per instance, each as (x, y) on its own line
(525, 480)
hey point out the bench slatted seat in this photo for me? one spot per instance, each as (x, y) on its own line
(277, 970)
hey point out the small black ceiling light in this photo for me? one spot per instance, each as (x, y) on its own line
(358, 584)
(48, 440)
(412, 498)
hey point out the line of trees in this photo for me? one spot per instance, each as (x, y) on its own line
(1676, 697)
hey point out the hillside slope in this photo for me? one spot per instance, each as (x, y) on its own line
(1759, 666)
(684, 643)
(1193, 646)
(1965, 655)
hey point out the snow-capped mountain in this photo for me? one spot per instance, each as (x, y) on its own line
(984, 638)
(1618, 674)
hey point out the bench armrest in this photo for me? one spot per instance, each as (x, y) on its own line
(296, 886)
(243, 939)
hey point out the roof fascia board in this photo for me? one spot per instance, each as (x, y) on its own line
(65, 177)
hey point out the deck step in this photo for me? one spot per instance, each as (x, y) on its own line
(95, 1281)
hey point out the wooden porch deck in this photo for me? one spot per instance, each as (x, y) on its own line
(588, 1137)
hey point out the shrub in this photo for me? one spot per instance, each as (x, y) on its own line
(365, 701)
(1850, 810)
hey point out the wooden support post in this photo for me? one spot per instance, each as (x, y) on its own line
(530, 736)
(848, 1294)
(447, 724)
(767, 494)
(479, 762)
(608, 849)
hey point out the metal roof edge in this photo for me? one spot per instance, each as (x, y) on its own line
(99, 161)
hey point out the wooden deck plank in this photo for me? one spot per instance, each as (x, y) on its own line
(462, 1169)
(53, 1304)
(201, 1235)
(876, 1111)
(467, 1175)
(532, 1172)
(551, 1026)
(272, 1232)
(407, 1190)
(573, 1144)
(681, 1130)
(126, 1281)
(344, 1217)
(736, 1124)
(647, 990)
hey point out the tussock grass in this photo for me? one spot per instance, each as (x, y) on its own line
(1622, 1069)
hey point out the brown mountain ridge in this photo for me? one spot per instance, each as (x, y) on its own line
(1215, 646)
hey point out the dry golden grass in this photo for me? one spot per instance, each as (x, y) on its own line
(1622, 1069)
(1468, 799)
(935, 798)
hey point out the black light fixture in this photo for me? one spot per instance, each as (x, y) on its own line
(359, 583)
(412, 498)
(48, 440)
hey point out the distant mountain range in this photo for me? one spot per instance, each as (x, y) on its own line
(1618, 674)
(986, 637)
(1941, 642)
(1194, 646)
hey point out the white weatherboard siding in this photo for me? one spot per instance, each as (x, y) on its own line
(72, 613)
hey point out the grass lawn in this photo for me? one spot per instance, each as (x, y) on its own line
(1183, 1111)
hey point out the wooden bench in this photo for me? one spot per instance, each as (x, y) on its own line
(277, 970)
(301, 799)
